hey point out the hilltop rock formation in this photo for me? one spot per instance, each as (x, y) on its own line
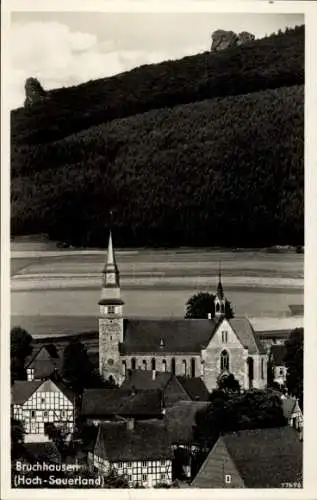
(222, 39)
(34, 92)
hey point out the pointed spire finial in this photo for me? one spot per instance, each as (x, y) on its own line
(219, 288)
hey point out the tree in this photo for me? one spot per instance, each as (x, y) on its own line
(77, 368)
(294, 358)
(253, 409)
(228, 383)
(201, 304)
(21, 348)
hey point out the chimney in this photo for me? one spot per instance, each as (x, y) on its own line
(153, 374)
(130, 424)
(209, 316)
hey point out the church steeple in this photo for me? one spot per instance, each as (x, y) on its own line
(110, 270)
(220, 301)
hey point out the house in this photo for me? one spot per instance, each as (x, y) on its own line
(44, 364)
(204, 348)
(258, 458)
(171, 389)
(38, 402)
(138, 450)
(195, 388)
(292, 412)
(277, 362)
(180, 422)
(99, 405)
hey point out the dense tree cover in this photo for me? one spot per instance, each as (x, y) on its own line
(268, 63)
(219, 172)
(232, 411)
(21, 348)
(294, 360)
(201, 304)
(78, 371)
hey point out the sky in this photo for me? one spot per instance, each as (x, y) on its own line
(68, 48)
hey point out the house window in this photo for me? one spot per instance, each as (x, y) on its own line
(224, 361)
(193, 367)
(129, 464)
(42, 401)
(144, 364)
(144, 463)
(45, 413)
(153, 364)
(164, 365)
(163, 462)
(144, 477)
(124, 368)
(120, 465)
(111, 309)
(224, 334)
(133, 363)
(184, 367)
(173, 366)
(32, 413)
(163, 476)
(281, 371)
(228, 478)
(129, 477)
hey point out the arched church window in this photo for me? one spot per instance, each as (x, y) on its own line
(224, 361)
(124, 368)
(153, 364)
(193, 367)
(144, 364)
(184, 367)
(164, 365)
(133, 363)
(173, 366)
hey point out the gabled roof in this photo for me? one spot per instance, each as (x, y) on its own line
(22, 390)
(245, 333)
(289, 406)
(121, 402)
(178, 335)
(277, 354)
(180, 420)
(45, 362)
(149, 440)
(195, 388)
(264, 458)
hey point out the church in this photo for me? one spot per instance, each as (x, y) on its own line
(207, 348)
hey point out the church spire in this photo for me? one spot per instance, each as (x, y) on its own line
(220, 301)
(219, 287)
(110, 271)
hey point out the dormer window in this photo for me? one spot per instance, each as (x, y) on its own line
(30, 374)
(111, 309)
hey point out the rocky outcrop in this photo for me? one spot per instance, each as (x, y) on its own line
(34, 92)
(222, 39)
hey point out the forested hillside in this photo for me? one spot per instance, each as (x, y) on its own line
(227, 170)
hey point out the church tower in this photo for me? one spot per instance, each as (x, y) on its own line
(110, 320)
(220, 301)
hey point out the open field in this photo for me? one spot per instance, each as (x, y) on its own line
(155, 283)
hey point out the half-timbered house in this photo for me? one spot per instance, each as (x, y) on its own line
(38, 402)
(138, 450)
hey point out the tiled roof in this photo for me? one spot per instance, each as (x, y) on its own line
(149, 440)
(277, 354)
(246, 335)
(264, 458)
(180, 419)
(42, 452)
(178, 335)
(143, 380)
(195, 388)
(111, 402)
(22, 390)
(45, 362)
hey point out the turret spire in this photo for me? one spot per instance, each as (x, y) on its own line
(110, 271)
(219, 287)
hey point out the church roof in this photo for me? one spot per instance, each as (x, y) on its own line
(178, 335)
(182, 335)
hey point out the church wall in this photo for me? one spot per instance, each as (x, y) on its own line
(260, 374)
(237, 365)
(144, 361)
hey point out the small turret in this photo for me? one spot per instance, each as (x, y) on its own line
(220, 301)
